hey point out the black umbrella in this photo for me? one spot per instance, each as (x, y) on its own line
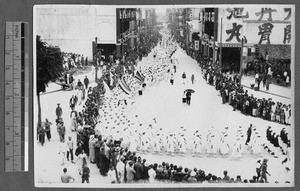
(190, 90)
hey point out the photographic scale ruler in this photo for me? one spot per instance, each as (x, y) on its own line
(16, 96)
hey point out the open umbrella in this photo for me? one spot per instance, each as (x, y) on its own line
(190, 90)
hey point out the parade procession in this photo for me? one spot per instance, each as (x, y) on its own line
(147, 96)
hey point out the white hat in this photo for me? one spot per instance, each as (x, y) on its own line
(193, 173)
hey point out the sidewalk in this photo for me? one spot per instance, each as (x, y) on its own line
(275, 90)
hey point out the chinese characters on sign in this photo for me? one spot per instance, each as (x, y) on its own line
(267, 25)
(237, 13)
(265, 31)
(234, 32)
(265, 11)
(287, 34)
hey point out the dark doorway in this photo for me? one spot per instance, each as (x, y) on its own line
(231, 57)
(107, 50)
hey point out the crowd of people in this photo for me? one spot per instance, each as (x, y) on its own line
(270, 70)
(121, 165)
(111, 140)
(233, 93)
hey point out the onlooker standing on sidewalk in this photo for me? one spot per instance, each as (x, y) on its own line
(48, 129)
(287, 80)
(41, 133)
(70, 145)
(65, 178)
(85, 174)
(63, 148)
(61, 129)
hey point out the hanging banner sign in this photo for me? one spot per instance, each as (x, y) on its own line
(196, 44)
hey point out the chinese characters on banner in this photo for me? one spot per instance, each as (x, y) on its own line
(256, 25)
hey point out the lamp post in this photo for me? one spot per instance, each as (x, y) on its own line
(96, 63)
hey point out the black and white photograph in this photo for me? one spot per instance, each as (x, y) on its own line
(159, 96)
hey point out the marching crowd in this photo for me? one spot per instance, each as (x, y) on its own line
(123, 166)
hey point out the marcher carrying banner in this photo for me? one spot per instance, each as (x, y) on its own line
(139, 76)
(124, 86)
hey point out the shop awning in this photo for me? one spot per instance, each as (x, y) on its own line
(276, 51)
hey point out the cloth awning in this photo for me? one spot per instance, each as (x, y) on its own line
(276, 51)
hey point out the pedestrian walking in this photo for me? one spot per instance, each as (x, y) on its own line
(188, 97)
(58, 111)
(79, 83)
(72, 102)
(193, 78)
(80, 161)
(172, 79)
(184, 77)
(174, 67)
(66, 178)
(264, 171)
(70, 144)
(63, 148)
(85, 177)
(48, 129)
(249, 132)
(86, 82)
(41, 134)
(61, 129)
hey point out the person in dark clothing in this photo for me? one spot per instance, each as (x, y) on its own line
(264, 171)
(188, 97)
(86, 82)
(269, 132)
(71, 79)
(145, 175)
(104, 163)
(41, 133)
(58, 111)
(48, 129)
(249, 132)
(85, 174)
(193, 78)
(138, 167)
(79, 83)
(276, 141)
(72, 102)
(184, 77)
(78, 149)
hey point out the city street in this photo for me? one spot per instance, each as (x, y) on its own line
(164, 102)
(169, 101)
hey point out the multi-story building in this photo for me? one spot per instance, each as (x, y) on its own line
(234, 36)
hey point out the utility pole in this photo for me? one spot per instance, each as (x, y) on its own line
(221, 44)
(242, 56)
(96, 63)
